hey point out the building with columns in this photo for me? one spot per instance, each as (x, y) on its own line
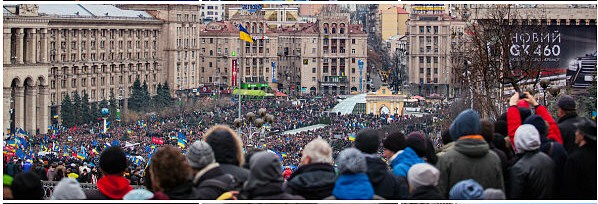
(54, 50)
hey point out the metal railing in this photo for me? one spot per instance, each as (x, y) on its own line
(48, 187)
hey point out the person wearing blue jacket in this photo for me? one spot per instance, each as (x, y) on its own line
(353, 182)
(401, 158)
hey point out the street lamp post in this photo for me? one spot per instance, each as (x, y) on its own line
(105, 113)
(258, 122)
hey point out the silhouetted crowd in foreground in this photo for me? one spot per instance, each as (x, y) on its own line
(525, 154)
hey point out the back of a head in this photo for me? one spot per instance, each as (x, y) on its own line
(264, 169)
(319, 151)
(169, 168)
(566, 103)
(68, 189)
(467, 190)
(200, 155)
(417, 142)
(351, 161)
(487, 130)
(500, 127)
(422, 174)
(527, 138)
(227, 146)
(113, 160)
(395, 141)
(368, 140)
(538, 123)
(27, 186)
(466, 123)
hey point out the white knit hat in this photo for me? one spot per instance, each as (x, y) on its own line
(422, 174)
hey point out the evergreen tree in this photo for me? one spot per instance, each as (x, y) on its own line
(145, 97)
(86, 111)
(77, 109)
(94, 113)
(157, 100)
(66, 112)
(165, 95)
(112, 107)
(136, 98)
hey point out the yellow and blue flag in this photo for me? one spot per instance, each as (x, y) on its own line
(244, 34)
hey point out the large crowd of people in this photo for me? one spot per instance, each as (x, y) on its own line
(524, 154)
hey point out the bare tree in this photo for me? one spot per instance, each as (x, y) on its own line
(498, 50)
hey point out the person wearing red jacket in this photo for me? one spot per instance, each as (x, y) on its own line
(287, 173)
(514, 119)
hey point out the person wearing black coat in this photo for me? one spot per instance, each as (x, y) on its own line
(567, 117)
(385, 184)
(208, 179)
(315, 177)
(579, 178)
(265, 179)
(228, 151)
(533, 175)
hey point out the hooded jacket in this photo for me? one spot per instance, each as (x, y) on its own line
(353, 187)
(426, 193)
(567, 130)
(385, 183)
(312, 181)
(110, 187)
(470, 159)
(532, 177)
(265, 179)
(211, 182)
(514, 121)
(401, 164)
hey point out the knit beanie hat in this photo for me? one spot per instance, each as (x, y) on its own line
(138, 194)
(538, 123)
(368, 141)
(417, 142)
(113, 160)
(422, 174)
(394, 141)
(527, 138)
(467, 190)
(494, 194)
(566, 102)
(27, 186)
(466, 123)
(200, 154)
(68, 189)
(351, 161)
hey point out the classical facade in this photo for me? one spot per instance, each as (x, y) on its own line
(54, 50)
(384, 102)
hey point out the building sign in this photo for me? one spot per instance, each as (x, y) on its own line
(235, 73)
(428, 7)
(251, 86)
(252, 7)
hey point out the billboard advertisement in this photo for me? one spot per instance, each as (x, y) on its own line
(556, 46)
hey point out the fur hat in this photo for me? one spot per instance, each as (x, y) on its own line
(226, 145)
(395, 141)
(68, 189)
(538, 123)
(351, 161)
(200, 154)
(113, 160)
(368, 140)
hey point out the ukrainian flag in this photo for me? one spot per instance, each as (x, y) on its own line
(351, 137)
(181, 143)
(244, 34)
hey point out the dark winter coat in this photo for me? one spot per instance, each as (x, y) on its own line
(426, 193)
(579, 177)
(312, 181)
(470, 159)
(213, 183)
(568, 131)
(183, 191)
(558, 154)
(385, 184)
(271, 191)
(238, 172)
(532, 177)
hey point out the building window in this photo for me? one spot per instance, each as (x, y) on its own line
(421, 70)
(352, 41)
(313, 79)
(352, 51)
(313, 70)
(421, 59)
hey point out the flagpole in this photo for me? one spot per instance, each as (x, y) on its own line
(239, 86)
